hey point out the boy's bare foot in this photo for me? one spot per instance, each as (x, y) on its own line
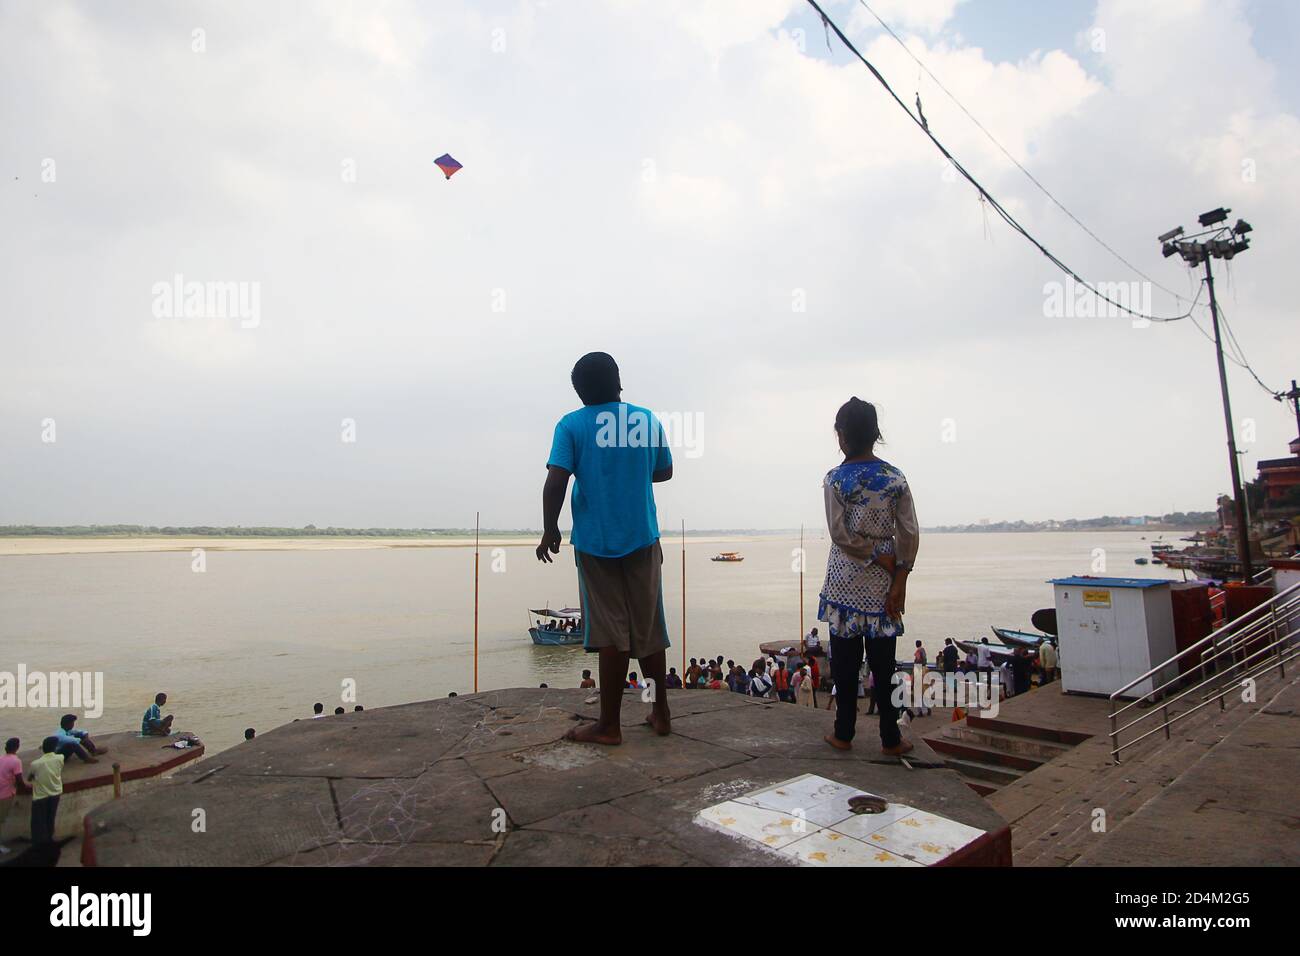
(837, 743)
(595, 734)
(900, 748)
(662, 723)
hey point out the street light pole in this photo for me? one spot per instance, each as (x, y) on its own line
(1222, 242)
(1238, 496)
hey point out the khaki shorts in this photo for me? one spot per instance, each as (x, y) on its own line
(622, 601)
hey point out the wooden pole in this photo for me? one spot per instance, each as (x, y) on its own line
(801, 563)
(476, 527)
(683, 599)
(117, 781)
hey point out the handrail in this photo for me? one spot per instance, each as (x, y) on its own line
(1246, 634)
(1293, 590)
(1223, 651)
(1209, 680)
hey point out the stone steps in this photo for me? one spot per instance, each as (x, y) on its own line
(1030, 752)
(1052, 810)
(984, 772)
(987, 758)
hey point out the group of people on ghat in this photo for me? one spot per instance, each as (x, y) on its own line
(44, 779)
(874, 535)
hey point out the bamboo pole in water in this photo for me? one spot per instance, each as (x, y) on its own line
(683, 599)
(476, 516)
(801, 563)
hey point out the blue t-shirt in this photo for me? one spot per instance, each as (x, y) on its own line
(68, 737)
(612, 450)
(153, 713)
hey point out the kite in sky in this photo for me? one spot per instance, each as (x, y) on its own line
(446, 164)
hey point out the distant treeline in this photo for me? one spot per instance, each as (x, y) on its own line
(1178, 520)
(211, 531)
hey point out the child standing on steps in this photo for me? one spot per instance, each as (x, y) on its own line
(874, 541)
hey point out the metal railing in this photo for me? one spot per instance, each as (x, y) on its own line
(1264, 637)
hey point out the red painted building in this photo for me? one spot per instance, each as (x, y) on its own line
(1280, 475)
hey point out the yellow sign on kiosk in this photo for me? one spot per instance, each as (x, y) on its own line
(1096, 599)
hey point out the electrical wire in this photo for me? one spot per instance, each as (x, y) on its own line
(1236, 354)
(1015, 162)
(997, 207)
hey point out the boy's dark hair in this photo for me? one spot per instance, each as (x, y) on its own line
(250, 733)
(586, 674)
(357, 709)
(49, 745)
(857, 426)
(12, 745)
(159, 698)
(318, 708)
(339, 710)
(595, 379)
(67, 720)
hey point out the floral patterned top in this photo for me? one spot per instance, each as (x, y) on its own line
(869, 513)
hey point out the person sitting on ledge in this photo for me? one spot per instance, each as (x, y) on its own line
(72, 741)
(250, 733)
(154, 723)
(615, 452)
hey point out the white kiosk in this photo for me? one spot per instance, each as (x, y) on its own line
(1112, 631)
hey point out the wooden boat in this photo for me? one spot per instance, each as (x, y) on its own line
(549, 632)
(998, 654)
(1014, 638)
(728, 557)
(1139, 560)
(780, 649)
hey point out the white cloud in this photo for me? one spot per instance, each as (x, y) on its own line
(444, 315)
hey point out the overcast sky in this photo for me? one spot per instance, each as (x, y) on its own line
(738, 214)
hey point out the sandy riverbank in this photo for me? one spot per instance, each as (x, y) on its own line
(61, 545)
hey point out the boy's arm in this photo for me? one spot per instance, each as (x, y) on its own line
(663, 466)
(557, 483)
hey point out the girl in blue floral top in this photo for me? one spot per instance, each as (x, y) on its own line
(874, 540)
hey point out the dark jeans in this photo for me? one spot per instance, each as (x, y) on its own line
(43, 813)
(846, 662)
(69, 749)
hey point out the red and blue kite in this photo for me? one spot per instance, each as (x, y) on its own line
(446, 164)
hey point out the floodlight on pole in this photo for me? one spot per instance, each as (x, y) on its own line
(1219, 243)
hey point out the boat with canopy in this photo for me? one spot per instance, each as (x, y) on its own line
(556, 628)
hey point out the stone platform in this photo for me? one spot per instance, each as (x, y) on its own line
(141, 761)
(487, 779)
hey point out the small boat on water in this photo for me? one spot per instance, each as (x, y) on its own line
(998, 654)
(556, 628)
(1139, 560)
(728, 557)
(1014, 638)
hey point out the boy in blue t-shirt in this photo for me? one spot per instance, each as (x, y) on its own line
(615, 452)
